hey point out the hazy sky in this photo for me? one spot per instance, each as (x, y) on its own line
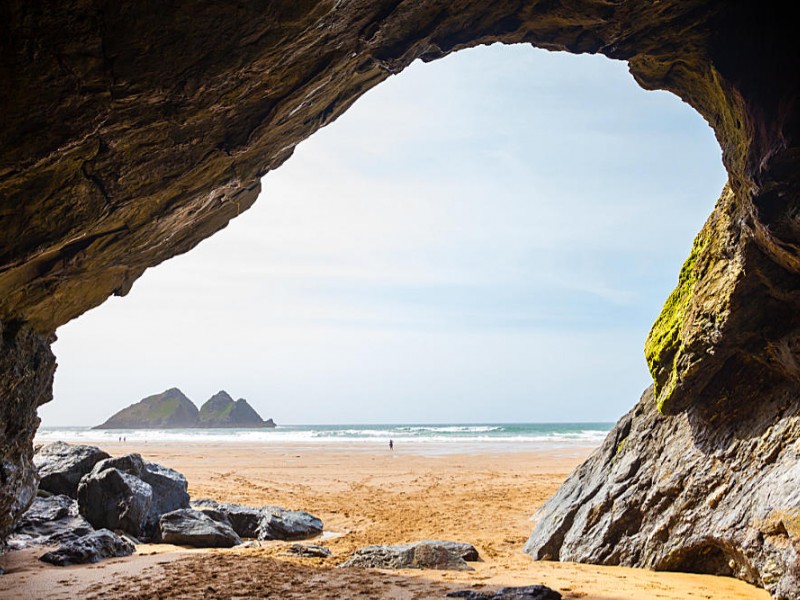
(484, 238)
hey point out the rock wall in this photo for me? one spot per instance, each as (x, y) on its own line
(699, 492)
(133, 130)
(26, 381)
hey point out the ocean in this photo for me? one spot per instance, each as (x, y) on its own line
(452, 436)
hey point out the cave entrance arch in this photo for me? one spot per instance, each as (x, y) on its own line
(131, 134)
(497, 206)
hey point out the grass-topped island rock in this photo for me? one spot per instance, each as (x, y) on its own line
(173, 410)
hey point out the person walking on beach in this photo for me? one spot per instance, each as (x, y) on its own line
(391, 445)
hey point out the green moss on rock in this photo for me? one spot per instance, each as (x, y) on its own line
(663, 342)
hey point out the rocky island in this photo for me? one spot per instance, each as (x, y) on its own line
(222, 411)
(171, 409)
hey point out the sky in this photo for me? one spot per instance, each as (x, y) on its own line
(484, 238)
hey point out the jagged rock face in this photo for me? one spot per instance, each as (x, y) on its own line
(699, 492)
(26, 381)
(130, 134)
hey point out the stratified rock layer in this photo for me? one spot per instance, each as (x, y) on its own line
(130, 134)
(699, 492)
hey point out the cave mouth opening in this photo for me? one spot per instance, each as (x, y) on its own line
(501, 199)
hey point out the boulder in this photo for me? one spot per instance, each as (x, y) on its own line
(211, 508)
(263, 523)
(699, 493)
(189, 527)
(170, 492)
(419, 555)
(245, 520)
(61, 466)
(308, 551)
(136, 479)
(281, 524)
(466, 551)
(89, 548)
(132, 464)
(528, 592)
(111, 498)
(49, 522)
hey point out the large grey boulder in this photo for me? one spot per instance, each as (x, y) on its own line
(189, 527)
(61, 466)
(49, 522)
(132, 464)
(419, 555)
(89, 548)
(243, 519)
(135, 497)
(213, 509)
(263, 523)
(281, 524)
(528, 592)
(170, 492)
(114, 499)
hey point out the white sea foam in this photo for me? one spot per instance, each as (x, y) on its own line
(479, 436)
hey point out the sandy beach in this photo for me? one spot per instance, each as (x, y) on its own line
(365, 495)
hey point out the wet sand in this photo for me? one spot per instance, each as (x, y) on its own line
(365, 495)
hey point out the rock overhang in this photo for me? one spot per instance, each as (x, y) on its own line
(130, 135)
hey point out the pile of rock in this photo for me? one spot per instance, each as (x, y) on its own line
(90, 502)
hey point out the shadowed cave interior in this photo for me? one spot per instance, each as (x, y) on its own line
(129, 137)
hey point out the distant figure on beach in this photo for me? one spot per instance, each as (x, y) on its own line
(391, 445)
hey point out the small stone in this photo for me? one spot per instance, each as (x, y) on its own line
(308, 551)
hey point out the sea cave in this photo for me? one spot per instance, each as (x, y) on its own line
(132, 132)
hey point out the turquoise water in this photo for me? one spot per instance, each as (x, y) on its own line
(461, 435)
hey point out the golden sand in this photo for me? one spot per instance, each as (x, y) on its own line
(365, 495)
